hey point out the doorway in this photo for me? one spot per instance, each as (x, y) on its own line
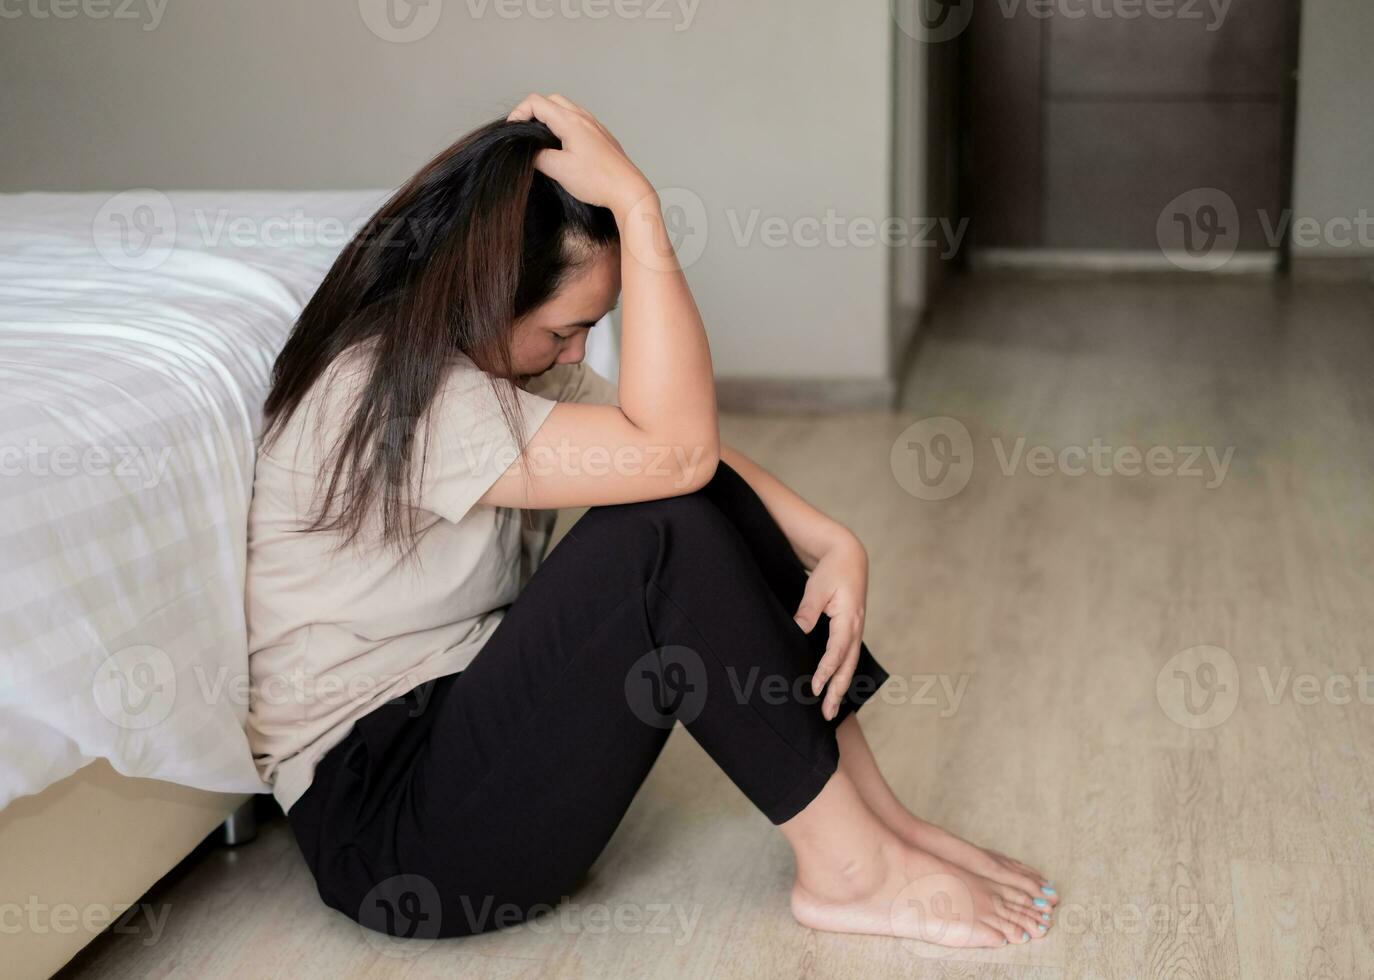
(1127, 133)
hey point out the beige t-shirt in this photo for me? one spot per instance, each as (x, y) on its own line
(333, 635)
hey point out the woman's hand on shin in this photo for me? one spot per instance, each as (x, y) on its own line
(838, 587)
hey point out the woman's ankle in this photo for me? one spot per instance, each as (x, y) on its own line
(843, 851)
(864, 872)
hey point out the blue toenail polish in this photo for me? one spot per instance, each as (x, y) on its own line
(1043, 927)
(1041, 902)
(1048, 890)
(1045, 916)
(1025, 937)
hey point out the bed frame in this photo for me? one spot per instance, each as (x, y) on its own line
(74, 856)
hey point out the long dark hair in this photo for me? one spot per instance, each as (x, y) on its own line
(472, 242)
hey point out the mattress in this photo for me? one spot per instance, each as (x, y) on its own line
(137, 335)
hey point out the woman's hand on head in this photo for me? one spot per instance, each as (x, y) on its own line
(592, 165)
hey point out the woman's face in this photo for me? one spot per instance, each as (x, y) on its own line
(556, 331)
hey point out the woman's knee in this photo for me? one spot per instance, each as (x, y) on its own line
(661, 529)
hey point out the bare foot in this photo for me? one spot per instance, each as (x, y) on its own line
(906, 892)
(1028, 886)
(1032, 887)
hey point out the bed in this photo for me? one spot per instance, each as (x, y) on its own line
(137, 335)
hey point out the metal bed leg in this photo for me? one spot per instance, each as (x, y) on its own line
(241, 826)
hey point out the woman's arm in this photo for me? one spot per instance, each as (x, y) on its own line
(662, 439)
(810, 532)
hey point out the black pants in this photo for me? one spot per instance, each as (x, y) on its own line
(483, 797)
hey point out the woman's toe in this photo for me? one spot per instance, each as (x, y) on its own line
(1033, 924)
(1017, 897)
(1011, 929)
(1021, 867)
(1030, 887)
(986, 934)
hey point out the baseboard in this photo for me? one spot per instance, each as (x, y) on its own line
(805, 395)
(1333, 268)
(1111, 260)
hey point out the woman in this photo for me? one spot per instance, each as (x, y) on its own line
(454, 728)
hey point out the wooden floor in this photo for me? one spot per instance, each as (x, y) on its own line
(1151, 686)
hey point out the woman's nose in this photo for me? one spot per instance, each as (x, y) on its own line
(574, 351)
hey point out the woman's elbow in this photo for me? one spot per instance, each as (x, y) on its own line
(696, 464)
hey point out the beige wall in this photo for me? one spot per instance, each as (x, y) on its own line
(1334, 167)
(759, 108)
